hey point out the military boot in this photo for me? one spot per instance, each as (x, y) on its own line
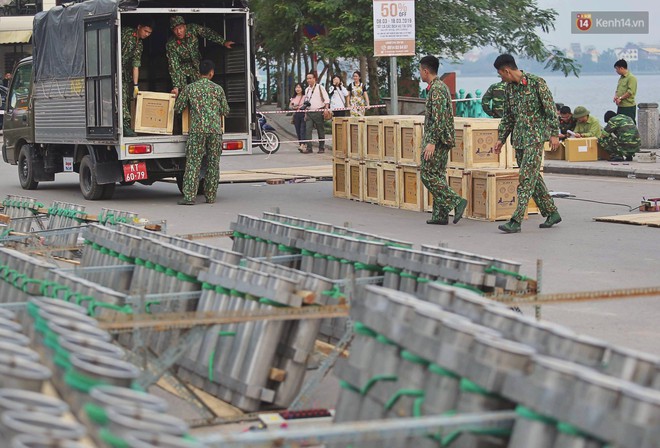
(459, 210)
(510, 227)
(551, 220)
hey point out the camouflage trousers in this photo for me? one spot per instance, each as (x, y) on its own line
(531, 183)
(617, 148)
(126, 97)
(198, 146)
(434, 178)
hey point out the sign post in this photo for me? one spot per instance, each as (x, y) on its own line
(394, 35)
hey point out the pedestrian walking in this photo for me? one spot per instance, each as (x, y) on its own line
(438, 140)
(207, 104)
(131, 60)
(183, 53)
(298, 118)
(493, 100)
(358, 98)
(626, 89)
(530, 117)
(317, 101)
(620, 138)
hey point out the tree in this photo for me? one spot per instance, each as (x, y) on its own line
(447, 28)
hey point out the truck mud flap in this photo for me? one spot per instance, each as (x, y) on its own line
(109, 172)
(40, 174)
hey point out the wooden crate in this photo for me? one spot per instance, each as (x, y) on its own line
(356, 138)
(388, 137)
(354, 171)
(388, 185)
(410, 188)
(339, 178)
(373, 138)
(154, 113)
(493, 194)
(475, 142)
(409, 133)
(340, 137)
(370, 181)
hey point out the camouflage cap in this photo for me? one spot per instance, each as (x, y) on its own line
(580, 112)
(176, 21)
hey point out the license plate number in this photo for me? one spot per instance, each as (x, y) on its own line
(135, 171)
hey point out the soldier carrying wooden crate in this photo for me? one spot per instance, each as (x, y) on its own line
(530, 117)
(438, 134)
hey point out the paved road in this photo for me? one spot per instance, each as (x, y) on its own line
(578, 255)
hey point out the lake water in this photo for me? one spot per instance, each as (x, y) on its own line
(595, 92)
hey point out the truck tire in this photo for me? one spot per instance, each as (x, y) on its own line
(26, 168)
(91, 190)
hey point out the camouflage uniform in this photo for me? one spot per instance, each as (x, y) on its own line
(564, 127)
(495, 93)
(207, 103)
(439, 130)
(620, 137)
(183, 56)
(530, 116)
(590, 128)
(131, 56)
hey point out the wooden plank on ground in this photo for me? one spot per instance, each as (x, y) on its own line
(220, 408)
(286, 173)
(651, 219)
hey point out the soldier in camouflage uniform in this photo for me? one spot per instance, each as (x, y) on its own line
(207, 105)
(530, 116)
(493, 100)
(566, 122)
(183, 53)
(131, 60)
(437, 142)
(620, 137)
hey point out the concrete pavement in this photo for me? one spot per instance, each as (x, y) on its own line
(638, 170)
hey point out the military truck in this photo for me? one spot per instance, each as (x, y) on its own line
(64, 104)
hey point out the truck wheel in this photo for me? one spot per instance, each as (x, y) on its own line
(90, 189)
(179, 183)
(26, 168)
(108, 191)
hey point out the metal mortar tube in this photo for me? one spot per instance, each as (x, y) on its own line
(140, 439)
(123, 420)
(238, 352)
(218, 303)
(499, 318)
(469, 305)
(533, 428)
(15, 423)
(11, 349)
(223, 347)
(31, 441)
(23, 400)
(76, 343)
(19, 373)
(259, 361)
(631, 365)
(14, 338)
(106, 396)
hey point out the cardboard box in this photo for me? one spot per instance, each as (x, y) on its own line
(154, 113)
(581, 149)
(559, 154)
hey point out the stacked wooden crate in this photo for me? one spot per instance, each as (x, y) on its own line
(378, 160)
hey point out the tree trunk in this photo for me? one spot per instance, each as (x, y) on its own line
(374, 88)
(267, 99)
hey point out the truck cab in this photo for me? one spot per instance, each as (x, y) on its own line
(64, 104)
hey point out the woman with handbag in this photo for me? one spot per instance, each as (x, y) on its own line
(338, 94)
(358, 98)
(298, 118)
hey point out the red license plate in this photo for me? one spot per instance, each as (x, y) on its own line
(135, 171)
